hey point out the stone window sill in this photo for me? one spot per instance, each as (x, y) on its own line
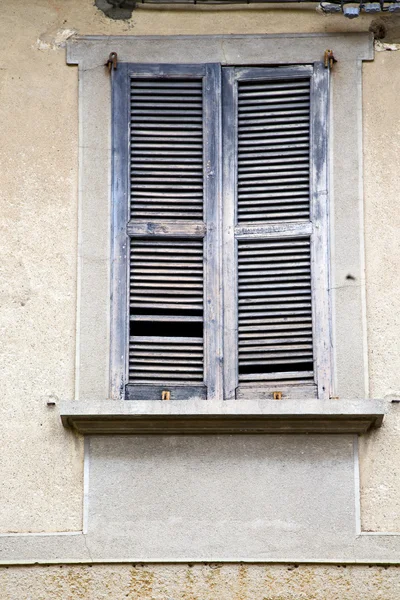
(202, 417)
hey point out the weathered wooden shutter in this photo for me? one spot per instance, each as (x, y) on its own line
(276, 232)
(167, 220)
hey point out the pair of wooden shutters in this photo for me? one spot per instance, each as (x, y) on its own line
(220, 257)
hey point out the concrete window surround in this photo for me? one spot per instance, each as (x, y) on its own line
(93, 410)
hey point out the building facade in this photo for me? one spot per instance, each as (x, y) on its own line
(116, 485)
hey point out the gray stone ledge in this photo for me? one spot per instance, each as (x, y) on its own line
(31, 549)
(293, 48)
(201, 417)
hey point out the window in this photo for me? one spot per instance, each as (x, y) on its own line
(101, 359)
(220, 231)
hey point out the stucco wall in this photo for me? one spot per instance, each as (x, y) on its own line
(200, 582)
(41, 463)
(380, 451)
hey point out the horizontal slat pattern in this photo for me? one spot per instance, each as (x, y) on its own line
(166, 295)
(274, 311)
(166, 148)
(165, 360)
(273, 150)
(166, 275)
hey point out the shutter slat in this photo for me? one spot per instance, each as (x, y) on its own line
(276, 359)
(256, 350)
(274, 341)
(275, 110)
(162, 366)
(273, 157)
(165, 359)
(272, 84)
(164, 285)
(160, 83)
(175, 355)
(164, 278)
(247, 330)
(287, 216)
(247, 140)
(273, 171)
(281, 377)
(270, 338)
(264, 125)
(188, 342)
(260, 199)
(264, 314)
(271, 282)
(169, 161)
(166, 318)
(246, 279)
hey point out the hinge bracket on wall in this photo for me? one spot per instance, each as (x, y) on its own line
(329, 59)
(112, 62)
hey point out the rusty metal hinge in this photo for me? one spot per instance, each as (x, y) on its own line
(112, 62)
(277, 395)
(329, 59)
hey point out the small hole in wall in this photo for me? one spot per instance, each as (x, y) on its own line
(350, 277)
(378, 28)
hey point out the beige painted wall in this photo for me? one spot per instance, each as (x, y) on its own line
(200, 582)
(380, 451)
(41, 464)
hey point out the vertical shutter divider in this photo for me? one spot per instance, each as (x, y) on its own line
(119, 316)
(213, 371)
(229, 178)
(320, 255)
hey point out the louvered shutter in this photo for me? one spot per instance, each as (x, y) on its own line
(169, 190)
(276, 232)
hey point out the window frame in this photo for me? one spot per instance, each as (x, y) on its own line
(92, 380)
